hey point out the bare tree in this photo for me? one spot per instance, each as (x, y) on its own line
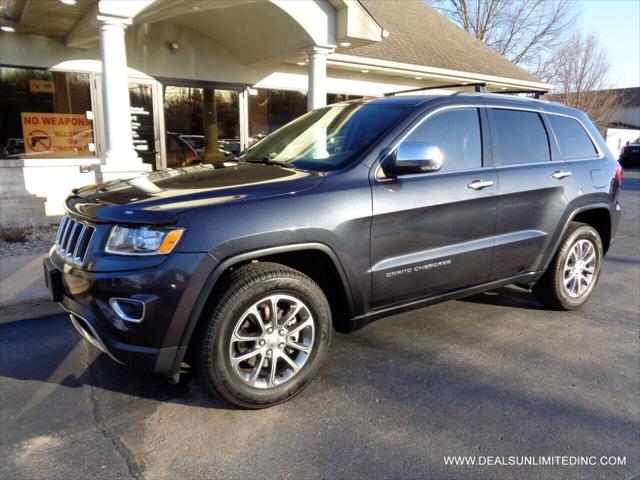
(524, 31)
(579, 70)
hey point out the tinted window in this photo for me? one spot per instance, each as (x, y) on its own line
(457, 134)
(521, 138)
(328, 138)
(572, 139)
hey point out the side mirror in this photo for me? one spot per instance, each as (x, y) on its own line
(413, 157)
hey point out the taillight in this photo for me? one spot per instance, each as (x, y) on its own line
(619, 174)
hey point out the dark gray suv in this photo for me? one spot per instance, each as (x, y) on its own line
(350, 213)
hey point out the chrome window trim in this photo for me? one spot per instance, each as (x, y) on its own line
(539, 111)
(599, 152)
(380, 178)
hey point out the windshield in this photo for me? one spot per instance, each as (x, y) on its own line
(328, 138)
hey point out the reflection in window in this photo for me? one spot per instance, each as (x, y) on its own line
(44, 114)
(327, 138)
(574, 142)
(140, 96)
(457, 134)
(340, 97)
(522, 138)
(202, 125)
(271, 109)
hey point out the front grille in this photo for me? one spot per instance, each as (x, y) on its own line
(73, 239)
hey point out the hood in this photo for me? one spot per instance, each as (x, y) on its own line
(157, 198)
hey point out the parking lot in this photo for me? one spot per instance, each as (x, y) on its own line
(493, 375)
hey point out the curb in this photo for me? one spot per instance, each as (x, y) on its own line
(27, 310)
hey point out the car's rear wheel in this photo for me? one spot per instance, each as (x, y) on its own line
(266, 337)
(574, 270)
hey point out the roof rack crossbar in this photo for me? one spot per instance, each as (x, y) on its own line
(476, 85)
(536, 93)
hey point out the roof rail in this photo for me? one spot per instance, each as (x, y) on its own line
(476, 85)
(536, 93)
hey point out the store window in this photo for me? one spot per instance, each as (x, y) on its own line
(271, 109)
(202, 125)
(45, 114)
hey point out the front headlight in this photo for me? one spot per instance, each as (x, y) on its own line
(142, 240)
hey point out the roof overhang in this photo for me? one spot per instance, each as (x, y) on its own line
(442, 75)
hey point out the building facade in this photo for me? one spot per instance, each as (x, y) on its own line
(625, 126)
(94, 90)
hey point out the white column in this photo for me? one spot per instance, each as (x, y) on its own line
(317, 91)
(115, 95)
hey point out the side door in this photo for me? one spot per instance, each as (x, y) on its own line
(536, 186)
(433, 232)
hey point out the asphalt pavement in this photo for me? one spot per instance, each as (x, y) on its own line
(491, 376)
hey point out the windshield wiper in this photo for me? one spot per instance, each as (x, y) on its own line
(269, 161)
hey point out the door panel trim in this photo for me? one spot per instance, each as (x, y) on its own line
(519, 236)
(401, 261)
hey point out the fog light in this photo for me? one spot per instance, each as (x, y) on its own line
(128, 309)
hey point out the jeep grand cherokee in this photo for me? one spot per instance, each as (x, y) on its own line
(350, 213)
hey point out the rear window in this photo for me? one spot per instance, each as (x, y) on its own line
(521, 137)
(573, 141)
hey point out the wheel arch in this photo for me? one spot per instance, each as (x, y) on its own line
(311, 259)
(598, 215)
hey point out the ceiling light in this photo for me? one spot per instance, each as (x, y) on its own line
(7, 28)
(418, 78)
(345, 44)
(364, 71)
(69, 2)
(196, 7)
(300, 63)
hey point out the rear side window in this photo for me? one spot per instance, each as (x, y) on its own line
(457, 134)
(573, 141)
(521, 138)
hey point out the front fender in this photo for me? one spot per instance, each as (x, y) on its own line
(209, 272)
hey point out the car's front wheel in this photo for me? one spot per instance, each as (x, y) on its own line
(266, 337)
(574, 270)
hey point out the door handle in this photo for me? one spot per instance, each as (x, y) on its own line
(480, 184)
(559, 174)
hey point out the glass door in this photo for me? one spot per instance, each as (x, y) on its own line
(144, 124)
(201, 122)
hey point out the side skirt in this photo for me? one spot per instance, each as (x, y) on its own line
(378, 313)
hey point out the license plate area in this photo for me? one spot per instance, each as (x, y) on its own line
(53, 279)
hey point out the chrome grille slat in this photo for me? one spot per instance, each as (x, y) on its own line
(61, 229)
(83, 232)
(70, 243)
(73, 239)
(65, 233)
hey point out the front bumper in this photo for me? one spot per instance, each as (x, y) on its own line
(151, 345)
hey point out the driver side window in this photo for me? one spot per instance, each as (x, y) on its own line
(457, 134)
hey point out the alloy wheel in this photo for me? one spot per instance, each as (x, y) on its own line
(579, 268)
(272, 341)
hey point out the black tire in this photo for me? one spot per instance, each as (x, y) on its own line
(244, 287)
(550, 289)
